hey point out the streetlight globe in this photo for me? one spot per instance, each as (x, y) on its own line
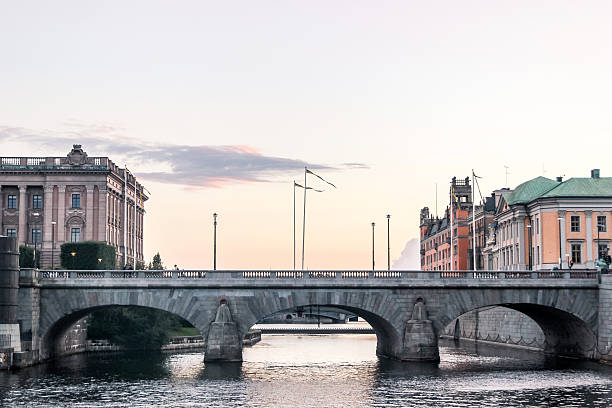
(388, 216)
(373, 224)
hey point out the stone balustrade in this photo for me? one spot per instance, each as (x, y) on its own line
(319, 274)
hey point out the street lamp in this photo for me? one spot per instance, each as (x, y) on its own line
(73, 254)
(35, 236)
(598, 251)
(99, 262)
(215, 242)
(529, 230)
(388, 245)
(373, 224)
(560, 245)
(53, 244)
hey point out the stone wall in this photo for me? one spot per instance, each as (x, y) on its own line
(497, 324)
(605, 318)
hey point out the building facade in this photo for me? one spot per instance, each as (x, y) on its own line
(546, 223)
(47, 201)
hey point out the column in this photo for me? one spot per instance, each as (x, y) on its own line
(589, 239)
(521, 247)
(22, 232)
(563, 243)
(89, 221)
(540, 230)
(47, 216)
(102, 213)
(61, 215)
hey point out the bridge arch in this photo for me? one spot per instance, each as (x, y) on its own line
(61, 309)
(384, 313)
(569, 322)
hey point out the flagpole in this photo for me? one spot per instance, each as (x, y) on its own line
(294, 225)
(452, 254)
(473, 221)
(304, 219)
(134, 223)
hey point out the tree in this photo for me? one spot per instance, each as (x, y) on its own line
(88, 255)
(134, 327)
(26, 257)
(157, 263)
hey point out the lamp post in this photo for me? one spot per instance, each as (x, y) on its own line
(35, 236)
(53, 244)
(73, 254)
(529, 230)
(373, 225)
(560, 245)
(388, 244)
(215, 242)
(598, 251)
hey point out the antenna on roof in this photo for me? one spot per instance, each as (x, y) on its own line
(507, 172)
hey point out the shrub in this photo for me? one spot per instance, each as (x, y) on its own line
(26, 257)
(87, 254)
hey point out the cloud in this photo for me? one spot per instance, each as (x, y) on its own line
(193, 166)
(410, 258)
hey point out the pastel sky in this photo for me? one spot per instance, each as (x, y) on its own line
(217, 106)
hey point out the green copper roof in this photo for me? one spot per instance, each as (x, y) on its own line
(530, 190)
(582, 187)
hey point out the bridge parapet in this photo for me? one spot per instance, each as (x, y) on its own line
(302, 275)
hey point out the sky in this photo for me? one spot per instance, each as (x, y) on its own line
(218, 106)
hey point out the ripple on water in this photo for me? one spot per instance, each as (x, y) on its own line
(311, 371)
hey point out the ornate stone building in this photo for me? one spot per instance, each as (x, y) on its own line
(47, 201)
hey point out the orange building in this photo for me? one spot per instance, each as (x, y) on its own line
(435, 233)
(546, 223)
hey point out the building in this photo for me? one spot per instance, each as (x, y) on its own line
(47, 201)
(435, 234)
(546, 223)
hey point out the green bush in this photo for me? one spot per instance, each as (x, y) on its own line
(134, 327)
(26, 257)
(87, 254)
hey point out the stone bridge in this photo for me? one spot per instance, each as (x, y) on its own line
(407, 309)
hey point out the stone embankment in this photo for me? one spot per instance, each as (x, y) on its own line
(178, 343)
(497, 325)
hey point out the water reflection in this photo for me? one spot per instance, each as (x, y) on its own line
(309, 371)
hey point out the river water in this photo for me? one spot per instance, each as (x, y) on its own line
(312, 371)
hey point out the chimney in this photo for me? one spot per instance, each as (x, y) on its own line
(560, 179)
(595, 173)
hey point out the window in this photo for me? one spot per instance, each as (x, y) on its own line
(601, 223)
(75, 233)
(37, 202)
(575, 223)
(36, 236)
(12, 201)
(577, 253)
(11, 232)
(537, 225)
(76, 202)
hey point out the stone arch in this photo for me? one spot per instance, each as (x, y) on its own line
(62, 308)
(568, 319)
(384, 313)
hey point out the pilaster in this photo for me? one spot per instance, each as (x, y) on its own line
(47, 216)
(563, 261)
(61, 214)
(22, 232)
(521, 241)
(589, 239)
(89, 229)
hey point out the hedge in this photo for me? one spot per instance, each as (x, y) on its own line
(87, 254)
(26, 257)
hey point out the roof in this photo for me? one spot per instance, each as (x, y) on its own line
(582, 187)
(530, 190)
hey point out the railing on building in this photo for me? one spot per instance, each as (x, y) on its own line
(320, 274)
(51, 163)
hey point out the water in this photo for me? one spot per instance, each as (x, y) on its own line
(312, 371)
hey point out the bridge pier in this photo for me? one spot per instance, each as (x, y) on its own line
(223, 342)
(604, 340)
(10, 340)
(420, 340)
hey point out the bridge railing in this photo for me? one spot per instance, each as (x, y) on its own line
(319, 274)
